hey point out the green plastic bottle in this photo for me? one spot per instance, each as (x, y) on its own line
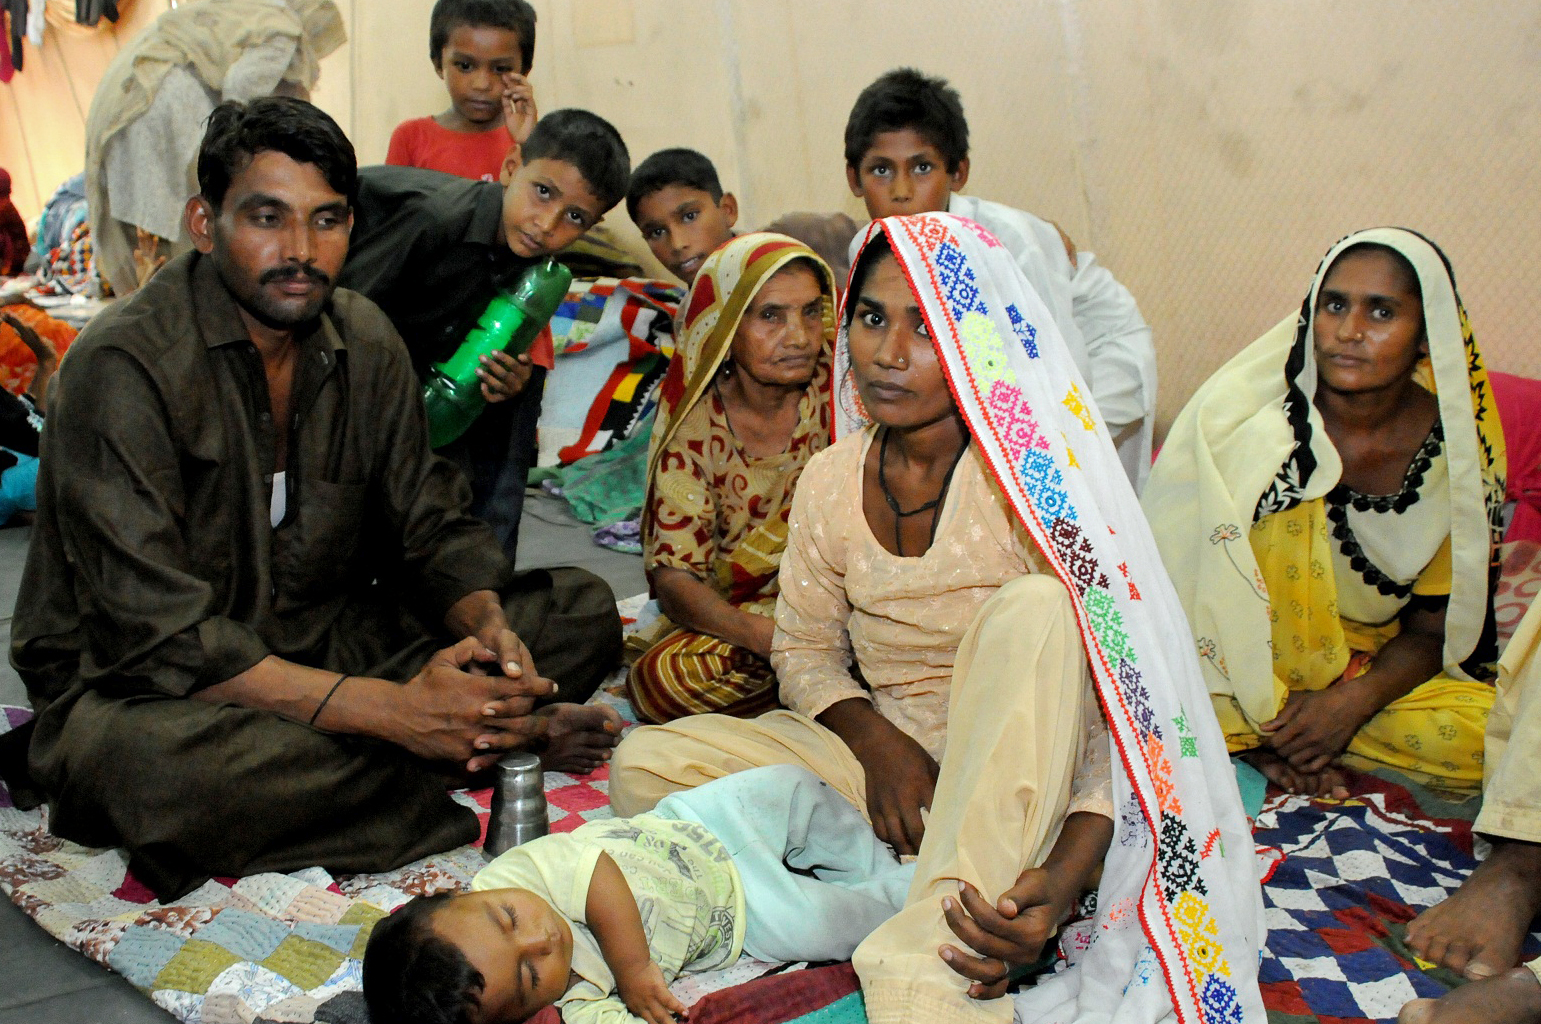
(511, 322)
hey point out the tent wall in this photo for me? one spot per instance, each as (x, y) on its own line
(43, 109)
(1209, 151)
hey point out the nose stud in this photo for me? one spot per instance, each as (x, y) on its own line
(902, 362)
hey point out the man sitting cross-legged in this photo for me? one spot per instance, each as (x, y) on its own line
(258, 627)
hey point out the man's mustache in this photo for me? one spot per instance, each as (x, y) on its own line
(294, 273)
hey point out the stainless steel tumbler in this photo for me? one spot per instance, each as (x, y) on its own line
(518, 804)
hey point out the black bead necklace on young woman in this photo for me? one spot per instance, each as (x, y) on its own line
(893, 503)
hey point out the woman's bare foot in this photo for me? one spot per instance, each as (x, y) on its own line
(1479, 929)
(579, 737)
(1329, 782)
(1513, 997)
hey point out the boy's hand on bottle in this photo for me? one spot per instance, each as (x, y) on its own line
(519, 111)
(503, 376)
(647, 995)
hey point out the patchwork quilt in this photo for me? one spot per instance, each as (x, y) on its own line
(287, 947)
(1353, 874)
(614, 338)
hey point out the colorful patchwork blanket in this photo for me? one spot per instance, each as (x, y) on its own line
(1353, 874)
(614, 338)
(286, 947)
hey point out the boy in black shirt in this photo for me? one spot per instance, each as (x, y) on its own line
(432, 249)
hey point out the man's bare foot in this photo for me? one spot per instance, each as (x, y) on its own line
(1329, 782)
(579, 737)
(1479, 929)
(1513, 997)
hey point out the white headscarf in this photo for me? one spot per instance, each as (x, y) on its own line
(1179, 921)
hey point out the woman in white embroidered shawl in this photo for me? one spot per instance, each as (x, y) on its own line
(997, 708)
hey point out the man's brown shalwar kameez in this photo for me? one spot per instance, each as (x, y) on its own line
(155, 571)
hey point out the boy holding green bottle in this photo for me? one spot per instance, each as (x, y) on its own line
(432, 250)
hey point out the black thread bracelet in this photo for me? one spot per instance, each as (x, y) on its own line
(317, 713)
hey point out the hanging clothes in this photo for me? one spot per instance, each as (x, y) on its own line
(17, 9)
(89, 12)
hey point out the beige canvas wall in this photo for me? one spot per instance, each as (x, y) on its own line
(1208, 150)
(43, 109)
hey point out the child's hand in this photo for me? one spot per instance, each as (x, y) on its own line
(646, 995)
(519, 113)
(503, 376)
(148, 257)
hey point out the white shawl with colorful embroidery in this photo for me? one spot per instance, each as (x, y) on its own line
(1180, 901)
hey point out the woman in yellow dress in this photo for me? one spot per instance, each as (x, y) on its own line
(1327, 505)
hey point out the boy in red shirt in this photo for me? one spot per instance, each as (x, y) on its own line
(482, 49)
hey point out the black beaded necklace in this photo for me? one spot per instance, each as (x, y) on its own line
(893, 503)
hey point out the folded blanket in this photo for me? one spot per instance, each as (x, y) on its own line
(613, 339)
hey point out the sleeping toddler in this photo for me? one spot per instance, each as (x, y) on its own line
(770, 862)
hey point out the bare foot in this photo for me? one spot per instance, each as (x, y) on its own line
(1479, 929)
(1329, 782)
(1513, 997)
(579, 737)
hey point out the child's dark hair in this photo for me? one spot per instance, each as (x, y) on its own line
(515, 15)
(411, 976)
(589, 143)
(905, 98)
(237, 132)
(672, 167)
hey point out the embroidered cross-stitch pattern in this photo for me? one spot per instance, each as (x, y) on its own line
(1199, 919)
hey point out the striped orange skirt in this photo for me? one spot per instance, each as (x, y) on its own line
(688, 673)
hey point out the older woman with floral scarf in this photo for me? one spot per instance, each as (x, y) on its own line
(979, 648)
(1328, 507)
(745, 406)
